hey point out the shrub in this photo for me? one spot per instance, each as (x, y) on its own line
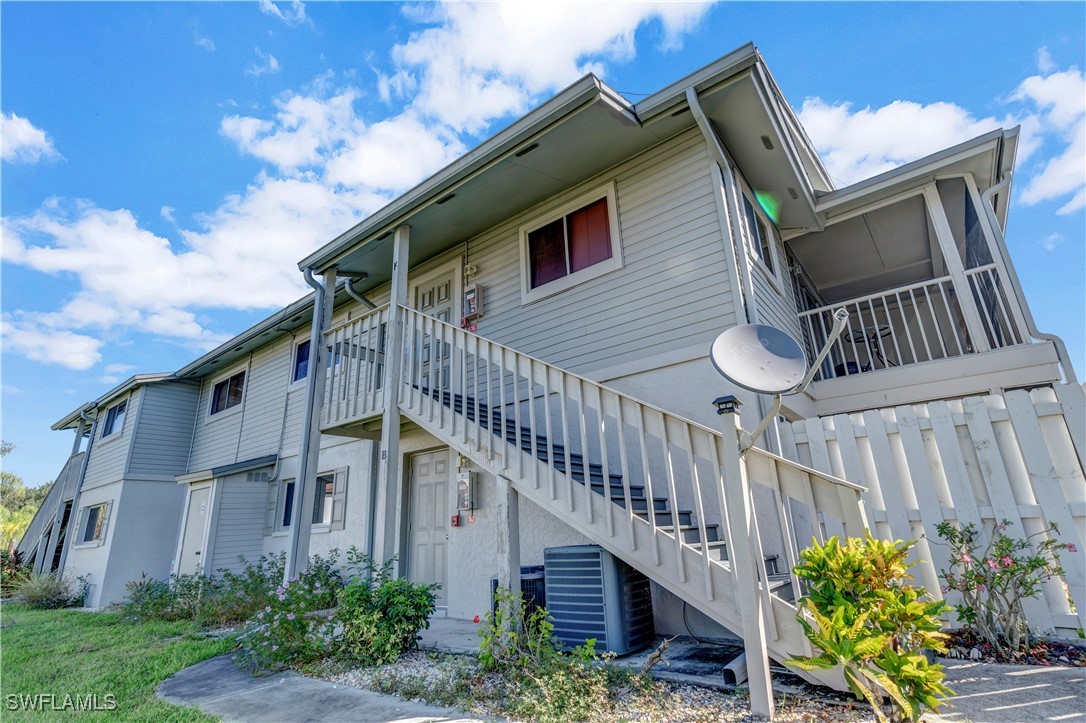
(287, 631)
(994, 581)
(861, 615)
(542, 683)
(381, 617)
(13, 571)
(49, 590)
(222, 599)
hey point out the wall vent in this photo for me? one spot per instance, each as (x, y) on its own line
(593, 594)
(256, 476)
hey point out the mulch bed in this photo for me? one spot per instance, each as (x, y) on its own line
(964, 645)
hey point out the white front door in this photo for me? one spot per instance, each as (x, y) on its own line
(428, 527)
(192, 544)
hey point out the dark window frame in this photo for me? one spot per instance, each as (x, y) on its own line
(115, 417)
(227, 393)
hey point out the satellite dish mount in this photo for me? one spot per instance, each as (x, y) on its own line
(766, 360)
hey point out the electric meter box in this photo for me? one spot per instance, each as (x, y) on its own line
(465, 490)
(473, 303)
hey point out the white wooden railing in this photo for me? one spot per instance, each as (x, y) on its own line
(644, 483)
(355, 368)
(915, 323)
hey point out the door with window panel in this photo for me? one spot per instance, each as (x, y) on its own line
(436, 297)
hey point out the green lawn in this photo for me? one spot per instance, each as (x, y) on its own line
(65, 652)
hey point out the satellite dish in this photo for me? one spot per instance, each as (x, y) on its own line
(760, 358)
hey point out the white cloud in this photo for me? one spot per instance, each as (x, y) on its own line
(860, 143)
(22, 142)
(118, 368)
(74, 351)
(1052, 241)
(268, 64)
(1045, 63)
(202, 41)
(482, 61)
(295, 15)
(327, 167)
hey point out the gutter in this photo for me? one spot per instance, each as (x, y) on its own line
(1016, 285)
(72, 519)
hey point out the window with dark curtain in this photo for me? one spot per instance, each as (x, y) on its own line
(288, 503)
(589, 236)
(546, 249)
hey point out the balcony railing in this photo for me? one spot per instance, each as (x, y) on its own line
(921, 322)
(356, 367)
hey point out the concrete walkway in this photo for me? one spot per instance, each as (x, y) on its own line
(219, 688)
(986, 693)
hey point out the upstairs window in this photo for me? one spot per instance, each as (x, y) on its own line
(228, 393)
(578, 243)
(760, 238)
(301, 362)
(115, 419)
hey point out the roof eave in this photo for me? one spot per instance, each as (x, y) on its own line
(132, 382)
(506, 141)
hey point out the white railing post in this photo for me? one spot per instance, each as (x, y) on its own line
(741, 526)
(389, 488)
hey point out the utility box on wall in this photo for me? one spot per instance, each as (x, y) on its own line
(465, 490)
(590, 593)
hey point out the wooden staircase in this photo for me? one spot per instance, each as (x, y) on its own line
(642, 483)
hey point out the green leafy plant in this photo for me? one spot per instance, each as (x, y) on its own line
(861, 615)
(541, 683)
(295, 627)
(49, 590)
(380, 616)
(995, 578)
(14, 569)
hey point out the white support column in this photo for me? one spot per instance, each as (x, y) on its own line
(301, 514)
(741, 556)
(390, 477)
(509, 543)
(956, 269)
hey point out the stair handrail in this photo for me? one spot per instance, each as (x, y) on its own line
(648, 405)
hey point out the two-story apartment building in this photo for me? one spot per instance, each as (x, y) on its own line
(513, 355)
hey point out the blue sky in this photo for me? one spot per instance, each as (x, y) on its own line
(165, 165)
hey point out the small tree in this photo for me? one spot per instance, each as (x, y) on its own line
(861, 615)
(994, 579)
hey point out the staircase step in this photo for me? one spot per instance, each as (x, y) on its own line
(640, 504)
(666, 518)
(692, 533)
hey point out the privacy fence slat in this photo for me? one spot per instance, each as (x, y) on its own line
(978, 460)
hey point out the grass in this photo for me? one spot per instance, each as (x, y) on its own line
(66, 652)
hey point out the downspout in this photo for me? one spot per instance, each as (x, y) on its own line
(348, 285)
(724, 166)
(298, 518)
(1016, 285)
(72, 519)
(750, 303)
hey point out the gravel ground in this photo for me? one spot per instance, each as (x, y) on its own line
(455, 680)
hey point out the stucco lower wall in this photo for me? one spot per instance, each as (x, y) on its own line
(92, 561)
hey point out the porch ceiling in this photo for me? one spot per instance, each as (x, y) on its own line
(882, 249)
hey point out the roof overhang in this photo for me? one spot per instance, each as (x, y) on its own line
(73, 417)
(989, 158)
(578, 134)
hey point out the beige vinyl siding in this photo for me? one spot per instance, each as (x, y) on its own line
(110, 454)
(164, 436)
(672, 292)
(239, 529)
